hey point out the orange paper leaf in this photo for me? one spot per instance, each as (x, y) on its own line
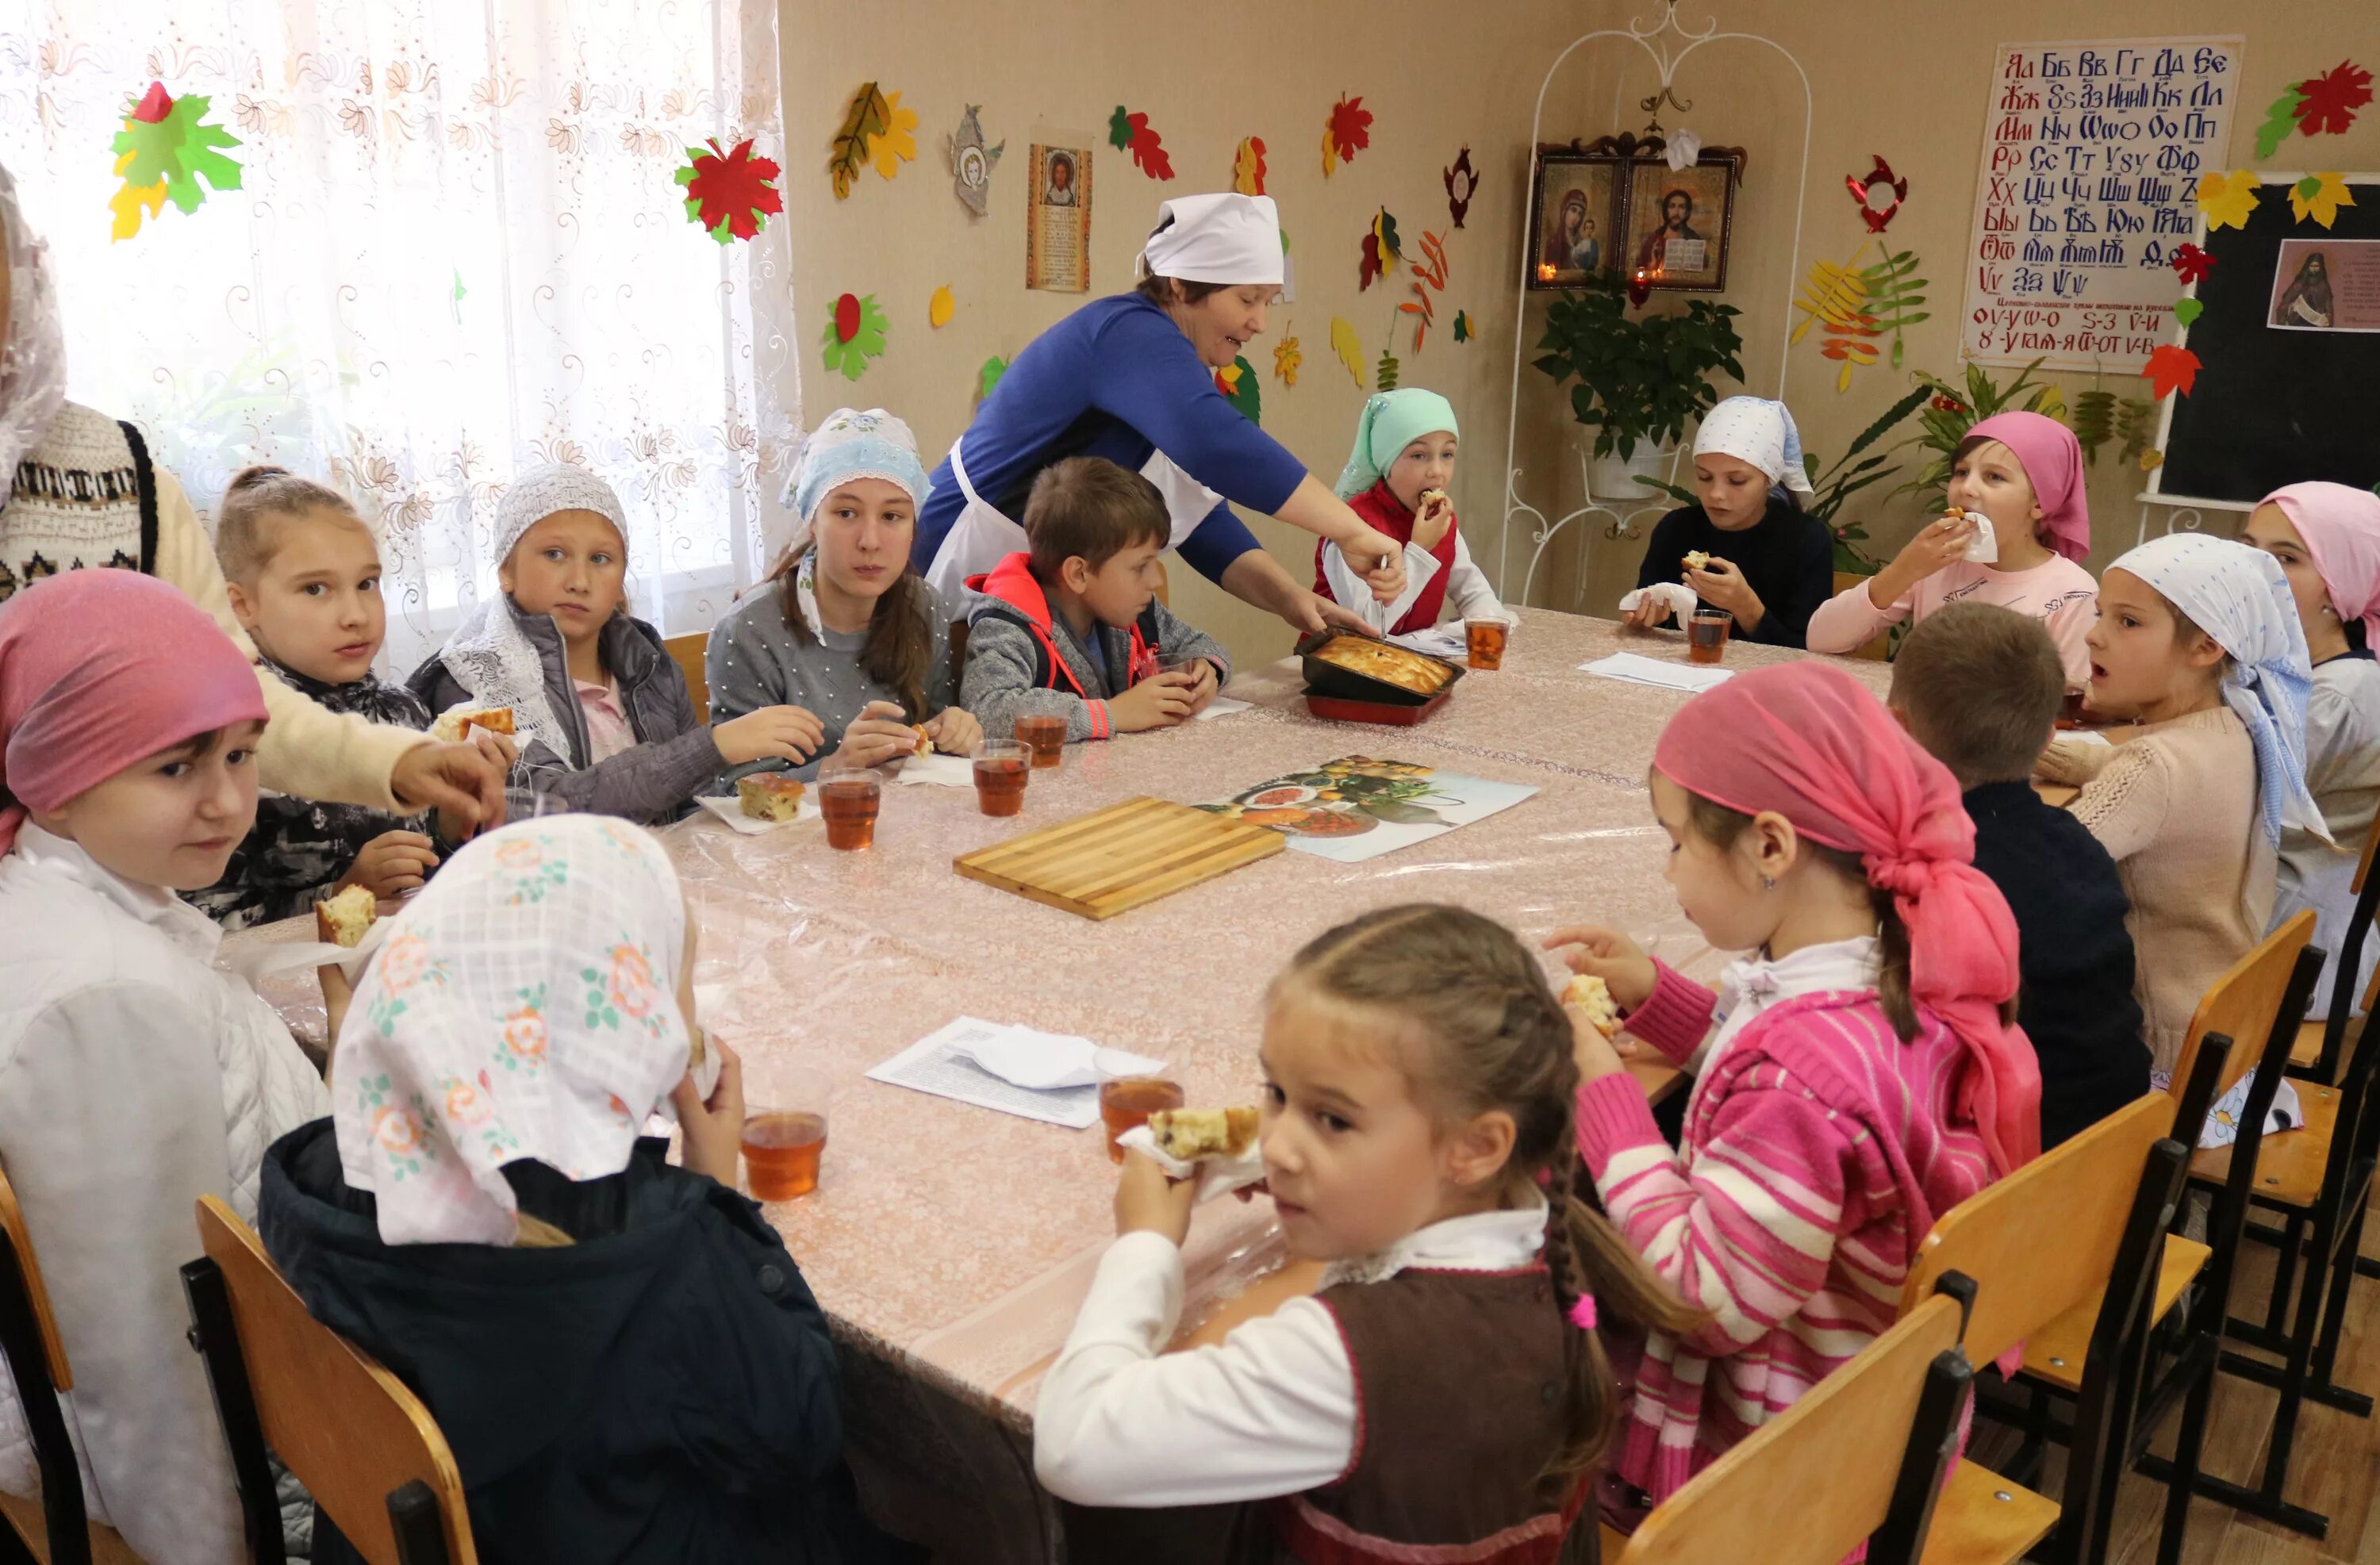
(2171, 369)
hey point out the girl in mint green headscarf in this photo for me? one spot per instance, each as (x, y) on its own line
(1397, 478)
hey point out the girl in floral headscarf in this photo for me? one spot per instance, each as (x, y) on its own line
(624, 1359)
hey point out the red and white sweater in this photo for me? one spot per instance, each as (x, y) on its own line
(1817, 1152)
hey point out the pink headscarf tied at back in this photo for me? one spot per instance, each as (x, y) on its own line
(100, 668)
(2053, 464)
(2342, 529)
(1809, 743)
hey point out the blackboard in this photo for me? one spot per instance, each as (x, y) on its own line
(2273, 407)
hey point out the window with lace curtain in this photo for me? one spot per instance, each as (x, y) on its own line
(457, 249)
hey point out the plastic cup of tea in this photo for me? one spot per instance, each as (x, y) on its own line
(784, 1132)
(1485, 642)
(1707, 637)
(1045, 735)
(1002, 769)
(848, 798)
(1127, 1099)
(2074, 710)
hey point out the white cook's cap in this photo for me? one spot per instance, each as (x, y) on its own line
(1227, 238)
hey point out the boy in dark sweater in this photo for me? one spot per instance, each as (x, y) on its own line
(1073, 628)
(1979, 686)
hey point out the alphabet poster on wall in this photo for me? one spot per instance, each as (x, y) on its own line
(2092, 157)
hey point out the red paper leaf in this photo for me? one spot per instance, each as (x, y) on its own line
(2191, 263)
(2171, 369)
(730, 187)
(1351, 127)
(1370, 271)
(846, 318)
(1148, 152)
(2332, 98)
(156, 104)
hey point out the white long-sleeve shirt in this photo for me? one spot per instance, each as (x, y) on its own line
(1272, 1410)
(1468, 593)
(135, 1077)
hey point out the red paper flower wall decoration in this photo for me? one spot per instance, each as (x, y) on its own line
(730, 194)
(2191, 265)
(2328, 103)
(1879, 195)
(1348, 132)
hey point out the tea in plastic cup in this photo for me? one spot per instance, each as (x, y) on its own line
(1707, 637)
(1045, 735)
(2074, 710)
(849, 799)
(1485, 640)
(784, 1133)
(1128, 1100)
(1001, 770)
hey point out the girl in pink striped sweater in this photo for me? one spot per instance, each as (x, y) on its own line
(1864, 1074)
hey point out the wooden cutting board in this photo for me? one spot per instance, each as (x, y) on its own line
(1099, 865)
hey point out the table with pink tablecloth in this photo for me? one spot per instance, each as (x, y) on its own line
(951, 1244)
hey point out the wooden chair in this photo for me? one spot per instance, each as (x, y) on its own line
(2319, 1043)
(1881, 648)
(1859, 1459)
(56, 1529)
(361, 1443)
(2106, 1195)
(686, 652)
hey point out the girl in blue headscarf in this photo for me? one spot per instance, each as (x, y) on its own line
(846, 631)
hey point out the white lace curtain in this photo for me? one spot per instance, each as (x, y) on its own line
(459, 249)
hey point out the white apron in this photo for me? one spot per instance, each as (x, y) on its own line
(982, 537)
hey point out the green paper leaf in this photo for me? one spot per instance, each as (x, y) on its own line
(1246, 395)
(2309, 185)
(989, 376)
(2280, 120)
(2187, 311)
(177, 153)
(850, 358)
(1119, 129)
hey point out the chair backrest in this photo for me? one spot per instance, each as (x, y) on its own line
(37, 1294)
(1810, 1486)
(2043, 1239)
(2244, 1005)
(36, 1357)
(1881, 644)
(2350, 961)
(352, 1432)
(686, 652)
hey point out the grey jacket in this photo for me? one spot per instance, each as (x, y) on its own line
(652, 783)
(1009, 672)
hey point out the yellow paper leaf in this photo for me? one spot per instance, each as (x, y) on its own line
(1249, 167)
(1285, 360)
(1832, 294)
(1843, 378)
(2228, 199)
(1349, 347)
(1329, 164)
(941, 307)
(2330, 194)
(896, 145)
(127, 203)
(2151, 460)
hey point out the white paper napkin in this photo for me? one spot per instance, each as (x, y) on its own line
(258, 962)
(1215, 1175)
(1983, 549)
(731, 810)
(1042, 1062)
(1629, 668)
(951, 771)
(1222, 705)
(1677, 594)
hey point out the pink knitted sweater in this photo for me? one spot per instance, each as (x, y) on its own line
(1816, 1159)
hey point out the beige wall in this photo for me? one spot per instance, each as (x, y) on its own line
(1909, 81)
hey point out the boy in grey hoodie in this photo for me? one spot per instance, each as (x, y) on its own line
(1072, 627)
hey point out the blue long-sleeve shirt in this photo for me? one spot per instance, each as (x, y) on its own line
(1116, 378)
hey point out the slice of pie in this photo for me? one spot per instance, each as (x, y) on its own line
(1698, 559)
(344, 919)
(1592, 995)
(925, 741)
(1191, 1134)
(769, 795)
(450, 726)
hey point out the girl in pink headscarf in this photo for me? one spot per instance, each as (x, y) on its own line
(2327, 537)
(136, 1075)
(1858, 1075)
(2024, 473)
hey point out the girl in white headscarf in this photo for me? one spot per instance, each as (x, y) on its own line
(602, 714)
(2197, 643)
(622, 1355)
(1763, 561)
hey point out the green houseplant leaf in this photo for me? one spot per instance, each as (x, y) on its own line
(1639, 377)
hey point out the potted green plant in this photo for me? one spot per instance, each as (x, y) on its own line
(1952, 410)
(1641, 377)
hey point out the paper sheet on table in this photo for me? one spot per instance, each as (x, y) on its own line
(1215, 1175)
(1633, 669)
(951, 771)
(1222, 705)
(1450, 641)
(940, 1064)
(731, 810)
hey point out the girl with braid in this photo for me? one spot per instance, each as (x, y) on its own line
(1445, 1389)
(1858, 1075)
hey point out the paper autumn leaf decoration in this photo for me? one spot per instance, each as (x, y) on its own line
(867, 119)
(894, 145)
(853, 335)
(2186, 312)
(1462, 331)
(941, 307)
(1237, 381)
(162, 153)
(1384, 377)
(1382, 250)
(1349, 347)
(1130, 132)
(1286, 359)
(1462, 184)
(1347, 132)
(2279, 120)
(2319, 196)
(2191, 265)
(2326, 103)
(1429, 276)
(987, 378)
(2228, 199)
(2171, 369)
(730, 194)
(1248, 166)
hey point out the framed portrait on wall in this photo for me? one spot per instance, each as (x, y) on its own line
(1678, 222)
(1574, 216)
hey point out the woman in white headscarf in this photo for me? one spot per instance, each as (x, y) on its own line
(1768, 565)
(1131, 377)
(626, 1360)
(84, 491)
